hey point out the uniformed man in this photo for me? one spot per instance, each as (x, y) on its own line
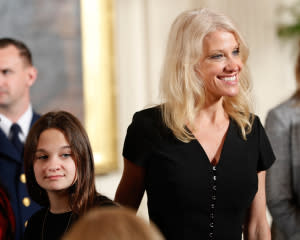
(17, 75)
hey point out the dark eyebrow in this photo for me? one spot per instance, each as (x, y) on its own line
(6, 69)
(66, 147)
(43, 150)
(40, 150)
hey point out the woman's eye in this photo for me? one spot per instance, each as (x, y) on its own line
(236, 52)
(216, 56)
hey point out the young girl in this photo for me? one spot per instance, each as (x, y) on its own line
(59, 167)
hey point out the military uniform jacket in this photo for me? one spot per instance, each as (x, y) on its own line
(13, 179)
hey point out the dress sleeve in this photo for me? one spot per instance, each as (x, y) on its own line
(139, 139)
(266, 154)
(279, 190)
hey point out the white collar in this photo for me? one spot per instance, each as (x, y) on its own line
(24, 123)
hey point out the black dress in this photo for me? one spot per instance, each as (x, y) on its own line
(188, 198)
(44, 225)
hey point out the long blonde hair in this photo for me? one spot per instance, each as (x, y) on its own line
(181, 89)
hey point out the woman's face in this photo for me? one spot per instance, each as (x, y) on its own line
(54, 165)
(220, 64)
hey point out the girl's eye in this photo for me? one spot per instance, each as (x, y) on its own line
(6, 71)
(66, 155)
(41, 157)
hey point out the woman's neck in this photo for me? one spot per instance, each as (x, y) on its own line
(59, 202)
(213, 113)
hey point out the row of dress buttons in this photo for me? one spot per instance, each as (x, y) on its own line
(213, 203)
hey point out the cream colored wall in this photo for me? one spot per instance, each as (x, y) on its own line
(141, 32)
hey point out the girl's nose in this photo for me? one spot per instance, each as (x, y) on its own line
(53, 165)
(54, 168)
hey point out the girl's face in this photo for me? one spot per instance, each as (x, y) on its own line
(54, 166)
(220, 64)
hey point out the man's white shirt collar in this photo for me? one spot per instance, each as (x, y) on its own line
(24, 123)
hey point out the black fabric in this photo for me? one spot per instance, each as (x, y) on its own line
(15, 140)
(55, 225)
(188, 198)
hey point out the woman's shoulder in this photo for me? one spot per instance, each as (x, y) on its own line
(148, 120)
(256, 125)
(150, 113)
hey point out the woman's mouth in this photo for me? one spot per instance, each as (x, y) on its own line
(228, 78)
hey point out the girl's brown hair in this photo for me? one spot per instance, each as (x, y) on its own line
(83, 192)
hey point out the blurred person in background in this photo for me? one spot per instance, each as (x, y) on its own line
(283, 178)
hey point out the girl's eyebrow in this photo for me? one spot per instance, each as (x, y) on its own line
(40, 150)
(67, 146)
(43, 150)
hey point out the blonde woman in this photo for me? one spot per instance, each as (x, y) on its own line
(201, 155)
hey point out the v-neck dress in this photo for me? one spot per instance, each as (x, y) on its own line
(188, 198)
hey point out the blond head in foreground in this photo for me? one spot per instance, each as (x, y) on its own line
(113, 224)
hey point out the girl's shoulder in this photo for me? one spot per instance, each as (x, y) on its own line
(34, 224)
(38, 214)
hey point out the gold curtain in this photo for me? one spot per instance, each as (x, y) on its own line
(97, 21)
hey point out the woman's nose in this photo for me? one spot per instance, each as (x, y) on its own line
(232, 65)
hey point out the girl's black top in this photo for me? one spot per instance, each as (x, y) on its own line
(44, 225)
